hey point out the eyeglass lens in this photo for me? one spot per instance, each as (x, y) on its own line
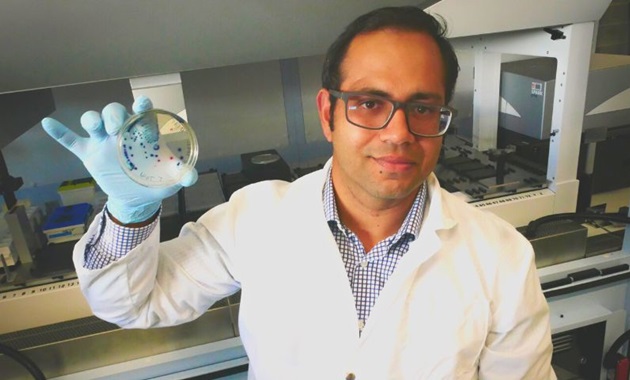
(374, 112)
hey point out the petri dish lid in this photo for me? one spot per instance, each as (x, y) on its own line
(157, 148)
(265, 158)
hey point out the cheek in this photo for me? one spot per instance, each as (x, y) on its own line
(351, 138)
(431, 149)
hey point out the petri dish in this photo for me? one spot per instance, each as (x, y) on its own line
(265, 158)
(157, 148)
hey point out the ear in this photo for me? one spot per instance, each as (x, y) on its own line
(323, 109)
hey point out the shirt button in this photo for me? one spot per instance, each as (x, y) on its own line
(364, 264)
(350, 376)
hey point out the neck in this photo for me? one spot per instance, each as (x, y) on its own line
(371, 220)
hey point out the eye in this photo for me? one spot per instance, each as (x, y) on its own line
(422, 109)
(366, 103)
(369, 104)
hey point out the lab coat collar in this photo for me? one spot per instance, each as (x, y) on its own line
(438, 215)
(438, 219)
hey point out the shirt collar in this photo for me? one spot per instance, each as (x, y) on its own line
(410, 226)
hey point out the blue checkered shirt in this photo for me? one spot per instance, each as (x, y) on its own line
(113, 241)
(368, 271)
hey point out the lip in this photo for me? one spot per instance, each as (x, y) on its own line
(395, 163)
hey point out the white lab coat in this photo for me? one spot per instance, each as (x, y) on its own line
(464, 302)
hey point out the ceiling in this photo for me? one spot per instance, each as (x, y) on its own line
(53, 43)
(58, 42)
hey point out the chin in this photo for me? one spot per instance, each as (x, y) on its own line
(397, 193)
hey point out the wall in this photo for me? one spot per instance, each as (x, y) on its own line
(613, 32)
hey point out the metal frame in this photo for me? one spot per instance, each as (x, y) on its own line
(573, 53)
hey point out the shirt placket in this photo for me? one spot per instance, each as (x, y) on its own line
(366, 279)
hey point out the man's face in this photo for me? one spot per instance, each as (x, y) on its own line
(388, 164)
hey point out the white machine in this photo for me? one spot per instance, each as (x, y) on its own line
(587, 295)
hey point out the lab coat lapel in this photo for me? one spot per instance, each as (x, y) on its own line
(427, 244)
(325, 265)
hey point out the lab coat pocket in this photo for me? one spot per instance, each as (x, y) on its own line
(444, 339)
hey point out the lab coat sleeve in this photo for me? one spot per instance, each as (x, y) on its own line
(518, 345)
(159, 284)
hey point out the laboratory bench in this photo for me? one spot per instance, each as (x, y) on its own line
(46, 294)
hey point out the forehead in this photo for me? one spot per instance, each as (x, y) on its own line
(393, 60)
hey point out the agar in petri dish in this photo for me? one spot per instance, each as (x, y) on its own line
(157, 148)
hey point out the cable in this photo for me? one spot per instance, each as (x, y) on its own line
(611, 233)
(530, 232)
(24, 360)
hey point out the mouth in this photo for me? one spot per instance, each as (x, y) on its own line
(394, 163)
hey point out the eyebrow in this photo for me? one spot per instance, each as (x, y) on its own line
(414, 97)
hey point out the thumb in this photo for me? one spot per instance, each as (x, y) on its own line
(63, 135)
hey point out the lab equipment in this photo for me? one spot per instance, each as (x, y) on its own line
(67, 223)
(157, 148)
(76, 191)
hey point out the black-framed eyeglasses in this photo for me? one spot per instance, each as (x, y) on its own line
(371, 111)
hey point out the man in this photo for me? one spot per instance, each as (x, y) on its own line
(367, 269)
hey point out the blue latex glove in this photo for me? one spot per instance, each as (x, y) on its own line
(128, 201)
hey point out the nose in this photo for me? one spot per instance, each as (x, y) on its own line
(397, 130)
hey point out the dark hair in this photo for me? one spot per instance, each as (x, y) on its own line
(403, 18)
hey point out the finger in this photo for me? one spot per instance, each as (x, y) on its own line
(189, 178)
(91, 121)
(114, 117)
(64, 136)
(142, 104)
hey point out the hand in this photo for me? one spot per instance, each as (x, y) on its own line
(128, 201)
